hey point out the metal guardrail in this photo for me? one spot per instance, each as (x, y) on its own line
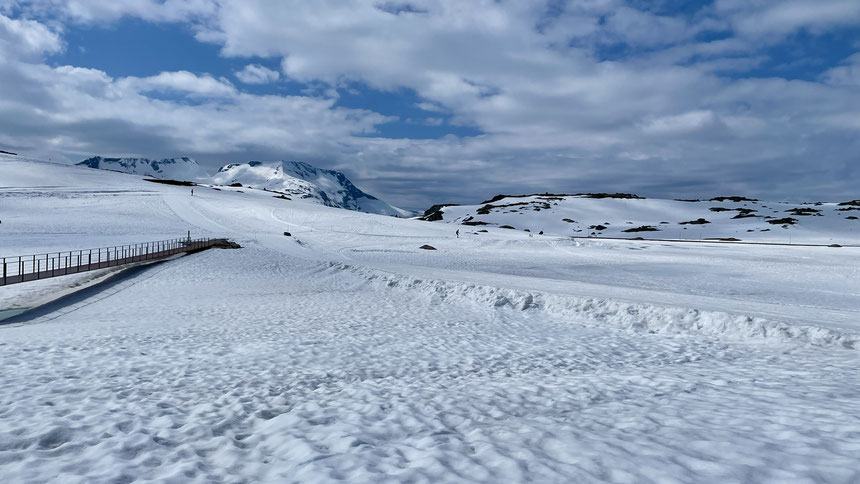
(25, 268)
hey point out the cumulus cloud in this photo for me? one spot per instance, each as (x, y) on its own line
(257, 74)
(759, 18)
(181, 82)
(595, 95)
(845, 75)
(22, 38)
(82, 110)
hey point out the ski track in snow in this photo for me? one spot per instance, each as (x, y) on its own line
(347, 354)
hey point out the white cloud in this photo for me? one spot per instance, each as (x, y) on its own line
(554, 113)
(845, 75)
(22, 38)
(94, 11)
(70, 109)
(257, 74)
(680, 123)
(761, 18)
(181, 82)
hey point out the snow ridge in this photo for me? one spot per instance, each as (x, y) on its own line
(645, 318)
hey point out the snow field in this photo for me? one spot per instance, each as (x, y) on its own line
(347, 353)
(365, 384)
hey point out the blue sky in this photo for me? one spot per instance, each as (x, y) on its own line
(437, 101)
(134, 47)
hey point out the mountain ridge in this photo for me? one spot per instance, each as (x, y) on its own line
(295, 178)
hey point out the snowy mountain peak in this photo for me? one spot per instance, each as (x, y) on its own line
(182, 168)
(303, 180)
(295, 178)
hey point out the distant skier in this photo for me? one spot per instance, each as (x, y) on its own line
(458, 233)
(192, 192)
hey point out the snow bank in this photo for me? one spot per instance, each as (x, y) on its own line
(636, 317)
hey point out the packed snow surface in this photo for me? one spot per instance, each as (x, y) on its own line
(346, 353)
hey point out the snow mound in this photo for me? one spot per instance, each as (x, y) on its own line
(645, 318)
(183, 168)
(302, 180)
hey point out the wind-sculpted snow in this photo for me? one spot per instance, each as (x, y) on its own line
(638, 317)
(345, 352)
(309, 372)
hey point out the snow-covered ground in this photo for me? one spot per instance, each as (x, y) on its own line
(730, 217)
(345, 352)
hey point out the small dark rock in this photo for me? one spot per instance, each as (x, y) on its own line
(803, 211)
(733, 199)
(783, 221)
(225, 244)
(643, 228)
(288, 234)
(427, 247)
(434, 213)
(171, 182)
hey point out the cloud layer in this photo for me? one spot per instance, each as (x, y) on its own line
(569, 96)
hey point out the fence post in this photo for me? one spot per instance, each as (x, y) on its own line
(4, 271)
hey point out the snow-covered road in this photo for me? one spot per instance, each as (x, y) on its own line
(347, 353)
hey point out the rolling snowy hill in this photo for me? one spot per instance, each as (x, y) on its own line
(183, 168)
(292, 178)
(629, 216)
